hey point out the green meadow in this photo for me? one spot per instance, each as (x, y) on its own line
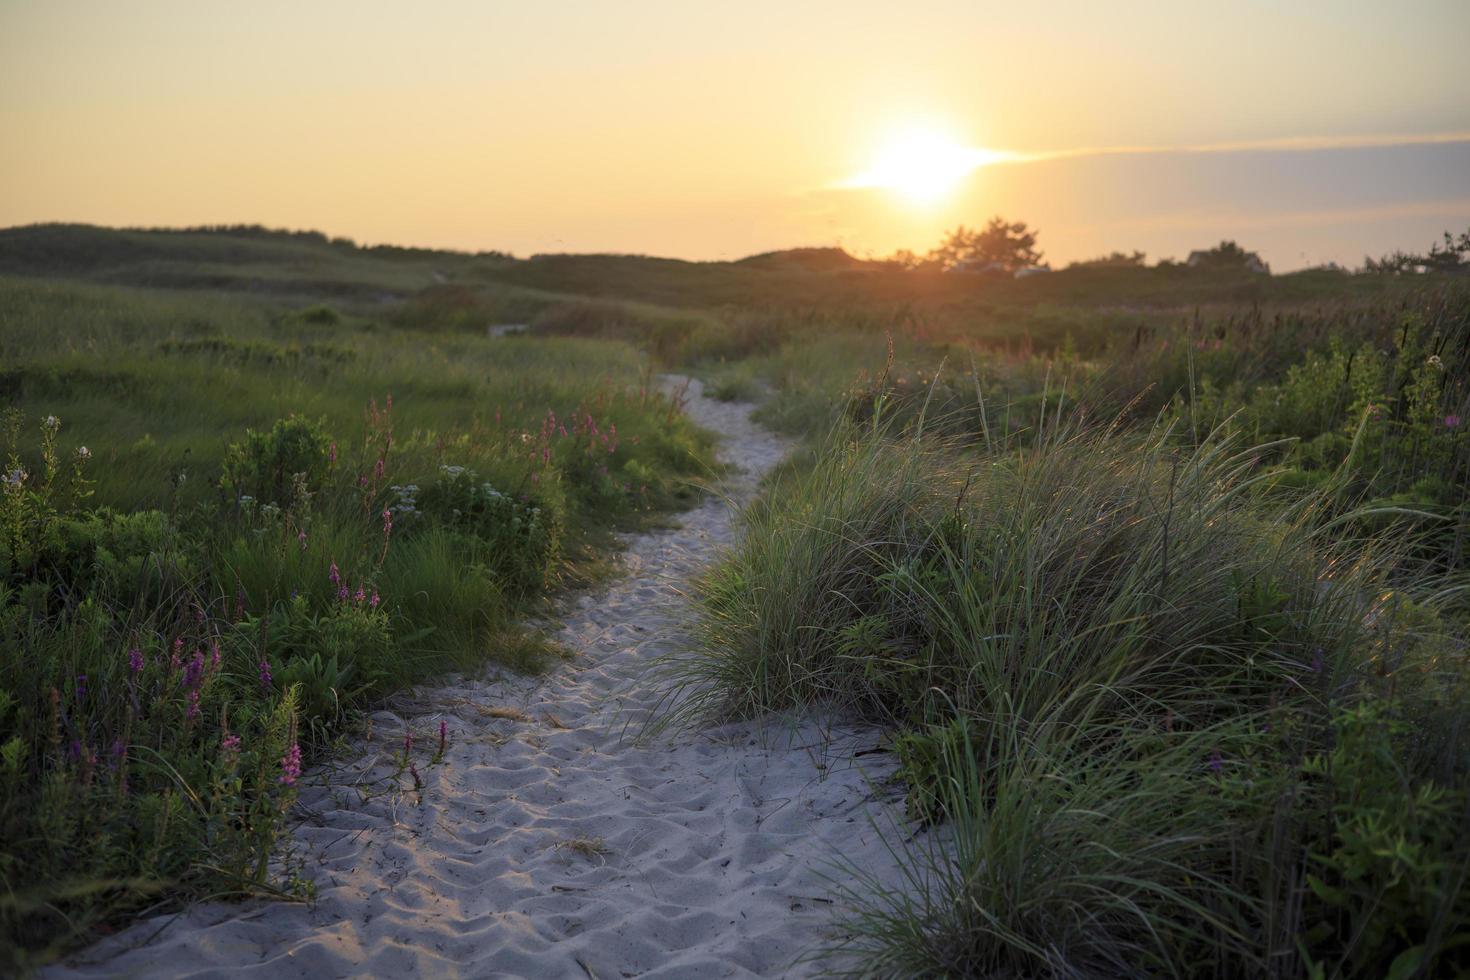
(1156, 578)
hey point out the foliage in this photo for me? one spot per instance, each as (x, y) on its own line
(1009, 245)
(191, 615)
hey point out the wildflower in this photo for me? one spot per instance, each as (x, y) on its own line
(291, 765)
(407, 742)
(1435, 362)
(1452, 421)
(342, 592)
(135, 661)
(174, 660)
(334, 576)
(194, 673)
(83, 454)
(443, 736)
(387, 522)
(360, 596)
(418, 782)
(301, 537)
(51, 423)
(193, 705)
(81, 687)
(266, 682)
(230, 746)
(378, 469)
(15, 477)
(332, 455)
(373, 602)
(1217, 764)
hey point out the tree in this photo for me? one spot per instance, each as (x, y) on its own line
(1008, 245)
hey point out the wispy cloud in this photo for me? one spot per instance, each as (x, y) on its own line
(936, 164)
(1283, 144)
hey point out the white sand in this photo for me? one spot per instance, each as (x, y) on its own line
(718, 845)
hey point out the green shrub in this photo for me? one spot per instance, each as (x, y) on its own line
(517, 538)
(280, 466)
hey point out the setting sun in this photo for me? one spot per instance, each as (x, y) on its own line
(923, 165)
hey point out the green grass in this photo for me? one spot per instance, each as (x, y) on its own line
(288, 510)
(1174, 723)
(1157, 576)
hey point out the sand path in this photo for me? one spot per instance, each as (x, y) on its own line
(715, 847)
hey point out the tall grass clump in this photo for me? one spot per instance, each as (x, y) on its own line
(1172, 724)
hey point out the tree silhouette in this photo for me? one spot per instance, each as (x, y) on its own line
(1009, 245)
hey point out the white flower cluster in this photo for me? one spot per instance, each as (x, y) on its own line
(406, 501)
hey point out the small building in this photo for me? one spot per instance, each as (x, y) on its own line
(1031, 270)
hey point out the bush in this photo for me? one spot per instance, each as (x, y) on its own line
(281, 467)
(517, 538)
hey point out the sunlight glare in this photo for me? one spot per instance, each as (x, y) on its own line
(923, 165)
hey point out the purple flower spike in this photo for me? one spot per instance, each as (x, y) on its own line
(135, 661)
(266, 682)
(1217, 764)
(291, 765)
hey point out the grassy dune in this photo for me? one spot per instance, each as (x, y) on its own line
(1170, 635)
(1157, 577)
(229, 522)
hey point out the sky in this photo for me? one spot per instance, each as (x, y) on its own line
(1310, 131)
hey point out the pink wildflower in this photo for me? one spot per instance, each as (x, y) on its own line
(301, 538)
(374, 600)
(291, 765)
(360, 596)
(334, 576)
(387, 522)
(266, 682)
(135, 661)
(1451, 421)
(193, 705)
(332, 454)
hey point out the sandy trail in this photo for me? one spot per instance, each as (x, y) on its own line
(712, 849)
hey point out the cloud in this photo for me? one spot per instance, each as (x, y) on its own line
(1283, 144)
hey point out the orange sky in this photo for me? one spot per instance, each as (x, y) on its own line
(704, 130)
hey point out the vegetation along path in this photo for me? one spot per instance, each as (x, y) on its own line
(548, 842)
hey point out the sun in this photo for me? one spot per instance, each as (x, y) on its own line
(923, 165)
